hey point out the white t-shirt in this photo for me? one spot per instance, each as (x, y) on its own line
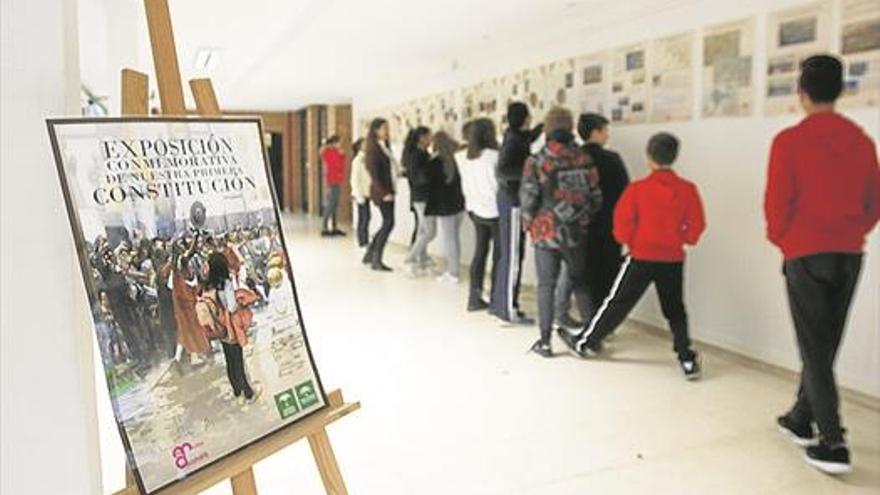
(478, 182)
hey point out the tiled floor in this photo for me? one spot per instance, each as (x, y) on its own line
(452, 404)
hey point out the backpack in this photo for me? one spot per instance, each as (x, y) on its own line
(217, 317)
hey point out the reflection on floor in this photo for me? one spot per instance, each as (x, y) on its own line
(452, 404)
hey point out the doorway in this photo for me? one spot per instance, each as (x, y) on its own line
(303, 160)
(276, 163)
(322, 136)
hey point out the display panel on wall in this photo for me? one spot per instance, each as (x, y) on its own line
(190, 286)
(792, 36)
(672, 78)
(655, 81)
(860, 47)
(592, 83)
(727, 69)
(629, 84)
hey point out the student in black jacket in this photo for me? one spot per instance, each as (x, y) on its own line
(415, 162)
(446, 202)
(514, 151)
(603, 251)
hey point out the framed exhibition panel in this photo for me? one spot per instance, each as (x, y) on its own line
(192, 295)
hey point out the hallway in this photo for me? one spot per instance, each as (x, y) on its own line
(452, 404)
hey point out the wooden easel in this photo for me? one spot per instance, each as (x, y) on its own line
(238, 467)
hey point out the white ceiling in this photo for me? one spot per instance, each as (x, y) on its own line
(282, 54)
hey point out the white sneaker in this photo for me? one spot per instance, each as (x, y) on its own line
(447, 278)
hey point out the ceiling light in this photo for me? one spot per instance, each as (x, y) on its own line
(206, 59)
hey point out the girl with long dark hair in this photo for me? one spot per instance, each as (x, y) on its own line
(477, 166)
(446, 202)
(415, 162)
(380, 165)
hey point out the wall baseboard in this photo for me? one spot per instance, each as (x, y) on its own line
(861, 398)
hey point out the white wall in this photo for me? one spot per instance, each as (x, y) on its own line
(49, 432)
(112, 36)
(735, 292)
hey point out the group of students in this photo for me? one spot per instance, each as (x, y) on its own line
(579, 208)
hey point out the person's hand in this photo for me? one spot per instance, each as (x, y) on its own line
(388, 198)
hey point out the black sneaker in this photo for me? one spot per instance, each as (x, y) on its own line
(568, 321)
(571, 341)
(519, 318)
(542, 349)
(831, 460)
(801, 434)
(478, 305)
(381, 267)
(691, 367)
(337, 232)
(326, 233)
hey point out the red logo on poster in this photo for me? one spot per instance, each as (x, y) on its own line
(181, 455)
(185, 455)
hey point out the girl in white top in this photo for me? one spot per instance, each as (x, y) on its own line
(360, 192)
(477, 165)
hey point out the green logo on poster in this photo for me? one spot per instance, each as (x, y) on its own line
(286, 403)
(306, 394)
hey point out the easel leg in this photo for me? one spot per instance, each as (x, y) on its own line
(243, 483)
(326, 460)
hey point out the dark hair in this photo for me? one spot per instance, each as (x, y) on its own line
(481, 135)
(374, 151)
(413, 138)
(356, 146)
(589, 122)
(821, 78)
(413, 156)
(446, 147)
(331, 140)
(218, 271)
(663, 148)
(517, 113)
(466, 131)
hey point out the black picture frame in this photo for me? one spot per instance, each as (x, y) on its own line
(84, 263)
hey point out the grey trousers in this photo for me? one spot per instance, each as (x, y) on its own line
(426, 233)
(547, 262)
(450, 226)
(331, 205)
(564, 290)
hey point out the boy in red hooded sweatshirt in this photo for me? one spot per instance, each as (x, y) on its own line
(822, 200)
(655, 217)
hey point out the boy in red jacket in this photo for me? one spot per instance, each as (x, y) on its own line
(655, 217)
(334, 175)
(822, 199)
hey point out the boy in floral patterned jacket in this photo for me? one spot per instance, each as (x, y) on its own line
(560, 195)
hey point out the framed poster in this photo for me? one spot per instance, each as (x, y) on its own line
(192, 296)
(629, 86)
(593, 84)
(672, 78)
(792, 36)
(560, 83)
(727, 69)
(860, 47)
